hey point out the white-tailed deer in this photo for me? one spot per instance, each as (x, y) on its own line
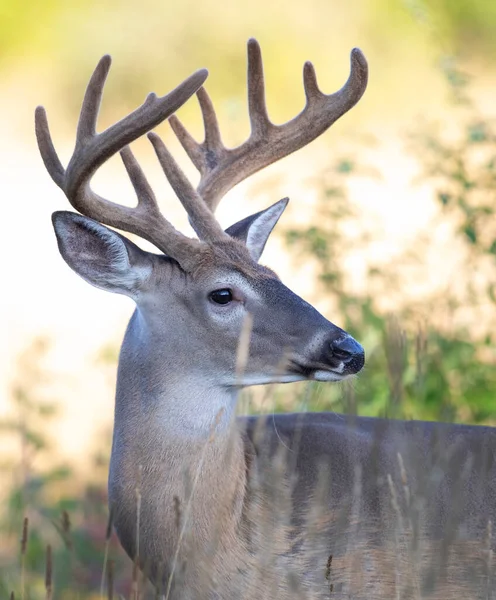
(295, 506)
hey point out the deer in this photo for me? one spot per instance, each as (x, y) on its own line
(211, 504)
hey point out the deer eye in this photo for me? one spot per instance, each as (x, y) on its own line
(223, 296)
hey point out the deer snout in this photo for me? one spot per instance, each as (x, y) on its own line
(349, 352)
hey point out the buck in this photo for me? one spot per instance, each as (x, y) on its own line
(212, 505)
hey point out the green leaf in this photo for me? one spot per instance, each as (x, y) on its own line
(444, 198)
(59, 473)
(345, 166)
(477, 132)
(491, 292)
(471, 234)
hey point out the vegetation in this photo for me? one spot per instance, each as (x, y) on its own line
(420, 363)
(432, 358)
(52, 524)
(427, 359)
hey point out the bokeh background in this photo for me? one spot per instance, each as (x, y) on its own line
(390, 231)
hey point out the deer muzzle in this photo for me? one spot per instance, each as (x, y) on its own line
(349, 353)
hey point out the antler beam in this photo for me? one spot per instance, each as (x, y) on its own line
(222, 168)
(92, 150)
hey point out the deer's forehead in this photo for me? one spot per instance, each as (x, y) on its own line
(231, 258)
(256, 279)
(215, 270)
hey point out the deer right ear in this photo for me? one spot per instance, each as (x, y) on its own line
(99, 255)
(254, 231)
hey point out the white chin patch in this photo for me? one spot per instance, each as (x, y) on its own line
(328, 376)
(266, 379)
(263, 379)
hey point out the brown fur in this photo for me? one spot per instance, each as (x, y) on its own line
(230, 255)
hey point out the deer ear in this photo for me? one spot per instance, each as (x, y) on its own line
(254, 231)
(99, 255)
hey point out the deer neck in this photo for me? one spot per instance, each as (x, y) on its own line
(175, 446)
(156, 380)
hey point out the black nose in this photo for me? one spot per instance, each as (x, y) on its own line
(347, 349)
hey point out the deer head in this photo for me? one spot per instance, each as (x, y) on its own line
(194, 298)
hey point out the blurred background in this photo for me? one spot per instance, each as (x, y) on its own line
(390, 231)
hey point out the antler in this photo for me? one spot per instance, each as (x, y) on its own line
(92, 150)
(222, 168)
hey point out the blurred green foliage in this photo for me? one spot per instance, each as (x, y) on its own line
(64, 512)
(417, 366)
(468, 25)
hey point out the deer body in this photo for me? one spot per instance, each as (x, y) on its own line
(356, 522)
(295, 506)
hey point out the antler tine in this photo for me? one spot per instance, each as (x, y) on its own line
(212, 146)
(47, 149)
(92, 150)
(222, 168)
(310, 82)
(201, 217)
(143, 189)
(212, 132)
(257, 108)
(86, 126)
(92, 101)
(148, 221)
(341, 101)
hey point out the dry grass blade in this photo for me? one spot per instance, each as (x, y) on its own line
(177, 512)
(138, 509)
(159, 585)
(413, 543)
(420, 356)
(66, 530)
(110, 580)
(244, 346)
(397, 534)
(24, 545)
(135, 580)
(328, 573)
(108, 535)
(396, 355)
(24, 536)
(49, 574)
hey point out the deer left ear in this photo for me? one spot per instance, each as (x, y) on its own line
(254, 231)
